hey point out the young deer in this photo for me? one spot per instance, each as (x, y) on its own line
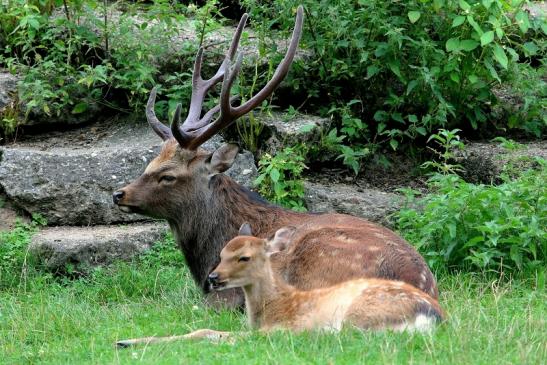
(369, 304)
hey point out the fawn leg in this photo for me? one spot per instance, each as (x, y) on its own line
(206, 334)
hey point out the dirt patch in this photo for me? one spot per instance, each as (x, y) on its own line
(9, 215)
(402, 172)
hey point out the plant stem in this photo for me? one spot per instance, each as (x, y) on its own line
(67, 13)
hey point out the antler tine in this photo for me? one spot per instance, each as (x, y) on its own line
(229, 78)
(229, 114)
(182, 138)
(161, 129)
(201, 87)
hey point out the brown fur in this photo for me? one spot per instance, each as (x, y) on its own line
(205, 208)
(365, 303)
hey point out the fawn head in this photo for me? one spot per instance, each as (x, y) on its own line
(246, 258)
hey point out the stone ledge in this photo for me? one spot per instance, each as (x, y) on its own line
(370, 204)
(55, 247)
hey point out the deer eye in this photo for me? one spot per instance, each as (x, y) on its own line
(243, 259)
(167, 178)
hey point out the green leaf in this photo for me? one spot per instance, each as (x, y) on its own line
(514, 55)
(500, 56)
(411, 85)
(492, 70)
(274, 175)
(454, 76)
(530, 48)
(306, 128)
(473, 78)
(487, 3)
(522, 21)
(468, 44)
(452, 44)
(421, 130)
(499, 32)
(413, 16)
(487, 38)
(398, 117)
(465, 6)
(459, 20)
(412, 118)
(79, 108)
(395, 68)
(380, 116)
(474, 24)
(371, 71)
(394, 144)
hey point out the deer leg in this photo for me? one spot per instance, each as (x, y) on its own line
(203, 334)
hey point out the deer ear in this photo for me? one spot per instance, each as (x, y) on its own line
(245, 230)
(281, 240)
(223, 158)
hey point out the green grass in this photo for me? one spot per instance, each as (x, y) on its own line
(50, 320)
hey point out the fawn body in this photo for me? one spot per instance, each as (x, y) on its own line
(271, 303)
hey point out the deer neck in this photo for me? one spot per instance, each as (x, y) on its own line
(262, 296)
(210, 220)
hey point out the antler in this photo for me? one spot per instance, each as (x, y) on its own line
(195, 130)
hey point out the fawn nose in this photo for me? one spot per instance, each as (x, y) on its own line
(213, 278)
(117, 196)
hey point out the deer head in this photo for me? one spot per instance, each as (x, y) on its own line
(245, 258)
(178, 181)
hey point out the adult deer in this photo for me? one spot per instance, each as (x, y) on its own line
(186, 186)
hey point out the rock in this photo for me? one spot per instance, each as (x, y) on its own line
(484, 162)
(55, 247)
(69, 178)
(370, 204)
(284, 130)
(71, 187)
(244, 170)
(8, 86)
(536, 9)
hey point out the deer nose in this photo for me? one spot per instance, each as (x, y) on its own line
(213, 278)
(117, 196)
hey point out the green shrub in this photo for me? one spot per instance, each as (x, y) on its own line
(85, 59)
(413, 66)
(481, 227)
(279, 178)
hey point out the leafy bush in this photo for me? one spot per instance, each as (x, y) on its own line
(90, 55)
(279, 178)
(408, 68)
(466, 226)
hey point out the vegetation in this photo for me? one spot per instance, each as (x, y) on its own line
(54, 320)
(390, 75)
(405, 70)
(279, 178)
(476, 227)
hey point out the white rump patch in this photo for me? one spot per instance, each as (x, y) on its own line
(422, 323)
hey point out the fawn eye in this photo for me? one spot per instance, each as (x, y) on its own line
(167, 178)
(243, 259)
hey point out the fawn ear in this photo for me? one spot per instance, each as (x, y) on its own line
(281, 240)
(223, 158)
(245, 230)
